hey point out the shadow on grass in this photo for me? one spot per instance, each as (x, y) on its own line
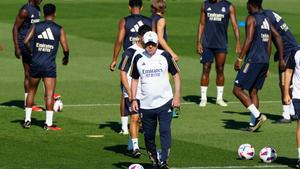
(115, 126)
(125, 165)
(272, 117)
(291, 163)
(34, 122)
(14, 103)
(196, 99)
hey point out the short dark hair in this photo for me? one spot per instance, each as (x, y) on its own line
(143, 29)
(257, 3)
(158, 6)
(49, 9)
(135, 3)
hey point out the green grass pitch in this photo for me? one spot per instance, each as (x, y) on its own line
(201, 137)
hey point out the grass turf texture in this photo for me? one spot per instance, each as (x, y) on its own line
(203, 137)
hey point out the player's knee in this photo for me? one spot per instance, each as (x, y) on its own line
(134, 118)
(220, 70)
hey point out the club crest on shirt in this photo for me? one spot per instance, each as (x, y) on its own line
(223, 9)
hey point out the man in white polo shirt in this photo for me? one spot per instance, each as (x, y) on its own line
(152, 68)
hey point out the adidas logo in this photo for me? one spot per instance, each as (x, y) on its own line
(47, 34)
(209, 9)
(137, 26)
(265, 25)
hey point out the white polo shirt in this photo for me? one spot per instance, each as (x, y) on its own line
(153, 73)
(294, 63)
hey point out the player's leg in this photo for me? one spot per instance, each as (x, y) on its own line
(124, 117)
(32, 88)
(220, 62)
(296, 103)
(134, 133)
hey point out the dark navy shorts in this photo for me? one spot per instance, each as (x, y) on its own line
(40, 74)
(127, 107)
(287, 55)
(296, 103)
(209, 54)
(252, 75)
(26, 57)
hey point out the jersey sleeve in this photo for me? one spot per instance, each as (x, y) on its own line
(173, 67)
(134, 71)
(126, 60)
(291, 63)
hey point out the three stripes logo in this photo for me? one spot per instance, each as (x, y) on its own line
(265, 25)
(47, 34)
(137, 26)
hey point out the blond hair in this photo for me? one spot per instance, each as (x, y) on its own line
(158, 6)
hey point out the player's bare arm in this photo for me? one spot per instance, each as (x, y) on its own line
(118, 44)
(134, 85)
(287, 81)
(247, 43)
(124, 81)
(23, 14)
(201, 27)
(235, 28)
(28, 37)
(65, 46)
(176, 98)
(279, 46)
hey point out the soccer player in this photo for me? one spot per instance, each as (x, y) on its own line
(45, 37)
(290, 47)
(152, 68)
(212, 43)
(158, 9)
(257, 48)
(28, 15)
(293, 72)
(128, 32)
(125, 69)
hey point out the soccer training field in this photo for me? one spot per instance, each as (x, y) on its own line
(201, 137)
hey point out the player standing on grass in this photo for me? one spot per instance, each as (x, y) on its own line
(152, 68)
(257, 48)
(28, 15)
(290, 47)
(45, 37)
(125, 68)
(128, 32)
(212, 43)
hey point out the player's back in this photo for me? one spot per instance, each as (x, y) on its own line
(259, 50)
(155, 19)
(33, 17)
(46, 40)
(132, 25)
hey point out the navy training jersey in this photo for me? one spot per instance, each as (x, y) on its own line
(216, 24)
(132, 25)
(46, 39)
(259, 49)
(33, 17)
(288, 39)
(155, 19)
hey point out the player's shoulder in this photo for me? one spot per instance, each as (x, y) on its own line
(165, 54)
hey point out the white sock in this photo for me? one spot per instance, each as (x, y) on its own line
(124, 120)
(252, 120)
(286, 112)
(298, 153)
(203, 92)
(291, 109)
(220, 90)
(135, 143)
(25, 98)
(254, 110)
(49, 118)
(28, 114)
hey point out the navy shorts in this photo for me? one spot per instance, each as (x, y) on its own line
(209, 54)
(287, 55)
(26, 57)
(296, 103)
(252, 75)
(127, 107)
(40, 74)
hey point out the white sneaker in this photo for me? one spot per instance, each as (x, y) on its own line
(221, 103)
(202, 103)
(122, 132)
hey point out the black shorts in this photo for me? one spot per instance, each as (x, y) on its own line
(127, 107)
(40, 74)
(26, 57)
(209, 54)
(296, 103)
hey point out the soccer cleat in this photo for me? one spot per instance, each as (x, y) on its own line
(56, 96)
(36, 108)
(259, 122)
(122, 132)
(53, 127)
(298, 164)
(203, 103)
(164, 165)
(27, 124)
(221, 103)
(283, 121)
(136, 153)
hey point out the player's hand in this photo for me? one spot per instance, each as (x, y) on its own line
(18, 53)
(175, 57)
(113, 66)
(199, 48)
(282, 65)
(134, 105)
(65, 60)
(237, 65)
(176, 102)
(287, 99)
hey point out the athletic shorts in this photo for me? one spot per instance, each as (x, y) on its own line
(209, 54)
(127, 107)
(286, 58)
(296, 103)
(26, 57)
(40, 74)
(252, 75)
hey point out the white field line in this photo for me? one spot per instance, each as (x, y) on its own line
(115, 104)
(233, 167)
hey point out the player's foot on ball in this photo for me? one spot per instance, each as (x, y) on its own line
(36, 108)
(53, 127)
(283, 121)
(221, 103)
(26, 124)
(259, 122)
(122, 132)
(203, 103)
(136, 153)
